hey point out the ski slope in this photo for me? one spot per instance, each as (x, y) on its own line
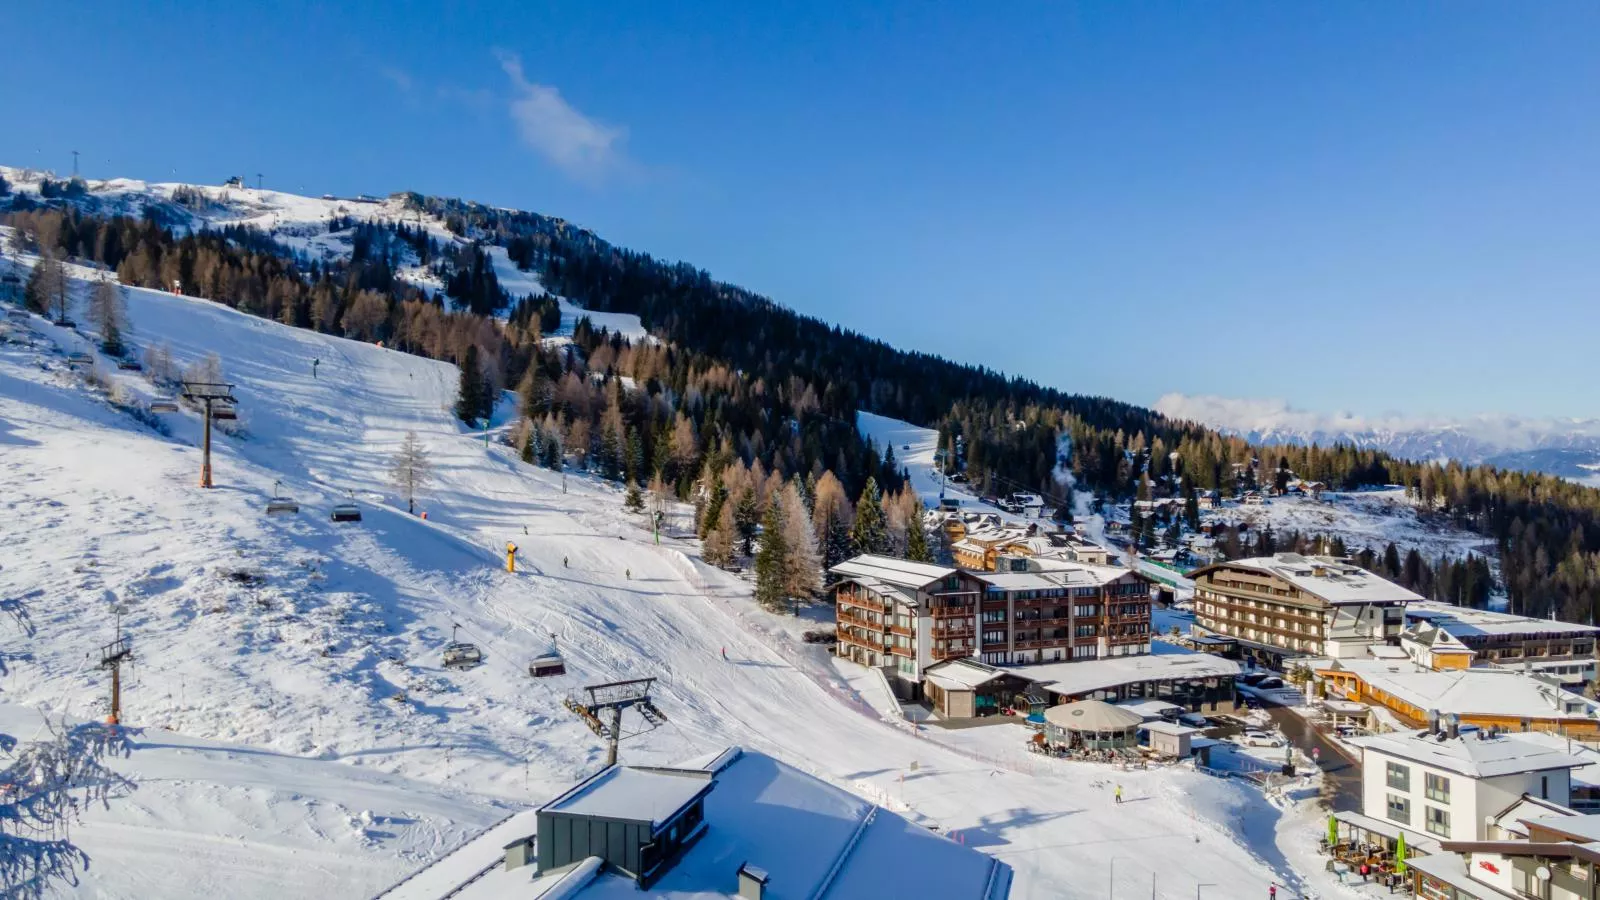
(309, 648)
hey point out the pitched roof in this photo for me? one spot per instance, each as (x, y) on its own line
(1474, 754)
(1481, 691)
(892, 570)
(1332, 579)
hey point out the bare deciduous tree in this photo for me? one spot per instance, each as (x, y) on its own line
(411, 470)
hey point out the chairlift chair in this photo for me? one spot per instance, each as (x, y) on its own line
(130, 365)
(280, 505)
(80, 359)
(547, 665)
(461, 654)
(164, 405)
(347, 511)
(64, 323)
(17, 315)
(224, 412)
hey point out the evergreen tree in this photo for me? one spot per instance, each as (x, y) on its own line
(634, 463)
(469, 393)
(746, 516)
(773, 559)
(835, 543)
(917, 549)
(870, 532)
(713, 510)
(1191, 507)
(530, 445)
(720, 536)
(635, 500)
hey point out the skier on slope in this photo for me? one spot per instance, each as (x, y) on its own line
(1119, 793)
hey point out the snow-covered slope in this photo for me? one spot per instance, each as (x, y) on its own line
(313, 647)
(304, 226)
(1569, 448)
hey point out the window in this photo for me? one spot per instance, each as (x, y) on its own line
(1399, 777)
(1399, 809)
(1437, 787)
(1438, 821)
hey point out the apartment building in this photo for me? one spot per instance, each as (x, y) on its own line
(1290, 605)
(904, 616)
(1564, 651)
(1062, 614)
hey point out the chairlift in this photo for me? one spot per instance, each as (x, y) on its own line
(347, 511)
(130, 365)
(17, 315)
(548, 664)
(164, 405)
(280, 505)
(461, 654)
(64, 323)
(224, 412)
(80, 359)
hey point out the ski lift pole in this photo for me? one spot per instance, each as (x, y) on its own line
(314, 364)
(485, 434)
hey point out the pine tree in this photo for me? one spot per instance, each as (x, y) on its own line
(469, 394)
(713, 509)
(917, 549)
(870, 533)
(772, 560)
(746, 516)
(411, 469)
(635, 500)
(836, 542)
(552, 451)
(634, 462)
(1191, 507)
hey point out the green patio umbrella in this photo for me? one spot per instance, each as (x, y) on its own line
(1333, 830)
(1400, 854)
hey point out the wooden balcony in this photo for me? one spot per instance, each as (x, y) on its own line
(865, 601)
(846, 618)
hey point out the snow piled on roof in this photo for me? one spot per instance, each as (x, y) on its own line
(891, 570)
(639, 795)
(1463, 621)
(1334, 580)
(1479, 690)
(1473, 753)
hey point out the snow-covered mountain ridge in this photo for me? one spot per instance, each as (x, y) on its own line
(1569, 448)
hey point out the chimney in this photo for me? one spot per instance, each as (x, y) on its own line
(1452, 724)
(521, 852)
(1433, 721)
(752, 882)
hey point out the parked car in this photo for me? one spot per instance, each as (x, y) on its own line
(1253, 679)
(1269, 684)
(1255, 738)
(1193, 720)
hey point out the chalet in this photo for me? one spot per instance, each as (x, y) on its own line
(1291, 605)
(903, 616)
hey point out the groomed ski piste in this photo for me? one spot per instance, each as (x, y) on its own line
(294, 731)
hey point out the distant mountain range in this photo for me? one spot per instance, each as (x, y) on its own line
(1569, 448)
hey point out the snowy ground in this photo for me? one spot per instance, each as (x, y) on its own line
(311, 649)
(1362, 519)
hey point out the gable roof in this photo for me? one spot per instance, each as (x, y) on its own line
(892, 570)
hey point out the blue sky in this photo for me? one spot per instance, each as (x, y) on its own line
(1365, 206)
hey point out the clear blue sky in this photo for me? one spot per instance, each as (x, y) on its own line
(1362, 205)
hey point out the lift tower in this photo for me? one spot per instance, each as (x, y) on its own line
(615, 697)
(219, 403)
(113, 656)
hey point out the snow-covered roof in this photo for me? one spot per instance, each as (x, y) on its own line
(1474, 753)
(961, 674)
(1092, 715)
(1160, 726)
(891, 570)
(1165, 663)
(1465, 622)
(1150, 709)
(1583, 829)
(1528, 807)
(637, 795)
(803, 832)
(1587, 774)
(1333, 580)
(1019, 581)
(1480, 690)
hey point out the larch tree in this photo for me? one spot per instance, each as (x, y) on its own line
(46, 290)
(411, 470)
(772, 560)
(719, 539)
(803, 567)
(109, 313)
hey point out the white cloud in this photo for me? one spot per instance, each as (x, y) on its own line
(548, 124)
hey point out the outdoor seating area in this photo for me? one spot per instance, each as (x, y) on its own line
(1361, 848)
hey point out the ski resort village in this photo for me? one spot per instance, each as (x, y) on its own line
(391, 548)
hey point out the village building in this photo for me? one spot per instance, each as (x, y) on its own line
(966, 689)
(1073, 612)
(735, 824)
(1290, 605)
(1565, 651)
(1197, 682)
(904, 616)
(1481, 696)
(1447, 782)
